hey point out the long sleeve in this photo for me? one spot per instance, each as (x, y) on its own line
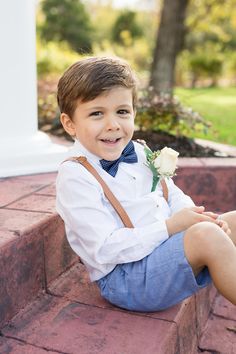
(177, 199)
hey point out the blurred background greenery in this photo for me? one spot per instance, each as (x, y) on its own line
(183, 48)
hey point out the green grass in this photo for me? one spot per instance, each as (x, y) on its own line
(216, 105)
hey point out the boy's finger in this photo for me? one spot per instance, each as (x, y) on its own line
(205, 217)
(198, 209)
(211, 214)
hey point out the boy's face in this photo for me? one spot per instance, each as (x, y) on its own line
(105, 125)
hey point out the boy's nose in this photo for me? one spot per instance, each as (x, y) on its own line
(112, 124)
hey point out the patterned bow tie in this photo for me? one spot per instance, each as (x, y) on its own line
(128, 155)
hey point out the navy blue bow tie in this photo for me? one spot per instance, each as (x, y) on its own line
(128, 155)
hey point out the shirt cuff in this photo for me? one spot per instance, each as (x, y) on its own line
(153, 234)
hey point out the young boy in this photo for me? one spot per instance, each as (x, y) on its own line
(175, 248)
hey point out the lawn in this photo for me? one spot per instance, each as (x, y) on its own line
(217, 105)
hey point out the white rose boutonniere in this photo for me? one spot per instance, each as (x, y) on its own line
(162, 163)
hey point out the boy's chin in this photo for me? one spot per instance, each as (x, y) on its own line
(112, 157)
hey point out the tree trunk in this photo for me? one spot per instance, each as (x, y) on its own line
(170, 40)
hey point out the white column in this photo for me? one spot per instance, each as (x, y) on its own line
(23, 149)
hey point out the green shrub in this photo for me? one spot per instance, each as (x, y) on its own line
(67, 20)
(53, 58)
(166, 113)
(126, 28)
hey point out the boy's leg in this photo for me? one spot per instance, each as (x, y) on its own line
(230, 218)
(206, 244)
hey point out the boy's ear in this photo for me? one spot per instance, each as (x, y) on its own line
(68, 124)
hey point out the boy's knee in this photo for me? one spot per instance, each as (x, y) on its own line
(207, 238)
(202, 231)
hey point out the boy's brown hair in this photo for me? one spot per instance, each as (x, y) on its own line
(89, 78)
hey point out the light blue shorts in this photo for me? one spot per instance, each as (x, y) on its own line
(158, 281)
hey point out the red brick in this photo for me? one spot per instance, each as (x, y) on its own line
(76, 286)
(12, 346)
(35, 202)
(13, 189)
(213, 187)
(58, 324)
(42, 178)
(21, 221)
(224, 308)
(219, 336)
(204, 301)
(227, 162)
(6, 237)
(186, 320)
(21, 274)
(189, 162)
(50, 190)
(58, 254)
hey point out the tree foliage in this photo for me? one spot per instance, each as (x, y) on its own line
(126, 28)
(67, 20)
(210, 40)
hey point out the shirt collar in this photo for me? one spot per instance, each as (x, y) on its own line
(79, 150)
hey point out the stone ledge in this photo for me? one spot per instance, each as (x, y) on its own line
(210, 182)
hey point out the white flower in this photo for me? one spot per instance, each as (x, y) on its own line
(162, 163)
(166, 161)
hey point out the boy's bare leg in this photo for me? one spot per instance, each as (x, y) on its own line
(230, 218)
(206, 244)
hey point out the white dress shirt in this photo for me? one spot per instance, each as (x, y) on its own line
(94, 229)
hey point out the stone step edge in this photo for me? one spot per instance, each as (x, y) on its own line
(30, 261)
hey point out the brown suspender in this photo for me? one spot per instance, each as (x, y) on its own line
(108, 193)
(164, 189)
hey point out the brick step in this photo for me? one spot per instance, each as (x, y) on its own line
(71, 317)
(219, 333)
(39, 289)
(33, 247)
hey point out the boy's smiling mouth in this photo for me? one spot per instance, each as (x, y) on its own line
(110, 141)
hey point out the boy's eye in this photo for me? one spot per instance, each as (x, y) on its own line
(95, 114)
(123, 111)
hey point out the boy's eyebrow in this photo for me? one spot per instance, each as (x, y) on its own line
(102, 107)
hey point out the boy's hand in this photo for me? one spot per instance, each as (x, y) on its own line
(187, 217)
(221, 223)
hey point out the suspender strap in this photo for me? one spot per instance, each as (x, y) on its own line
(108, 193)
(164, 189)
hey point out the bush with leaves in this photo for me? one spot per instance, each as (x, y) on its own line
(202, 65)
(126, 29)
(166, 113)
(54, 58)
(67, 20)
